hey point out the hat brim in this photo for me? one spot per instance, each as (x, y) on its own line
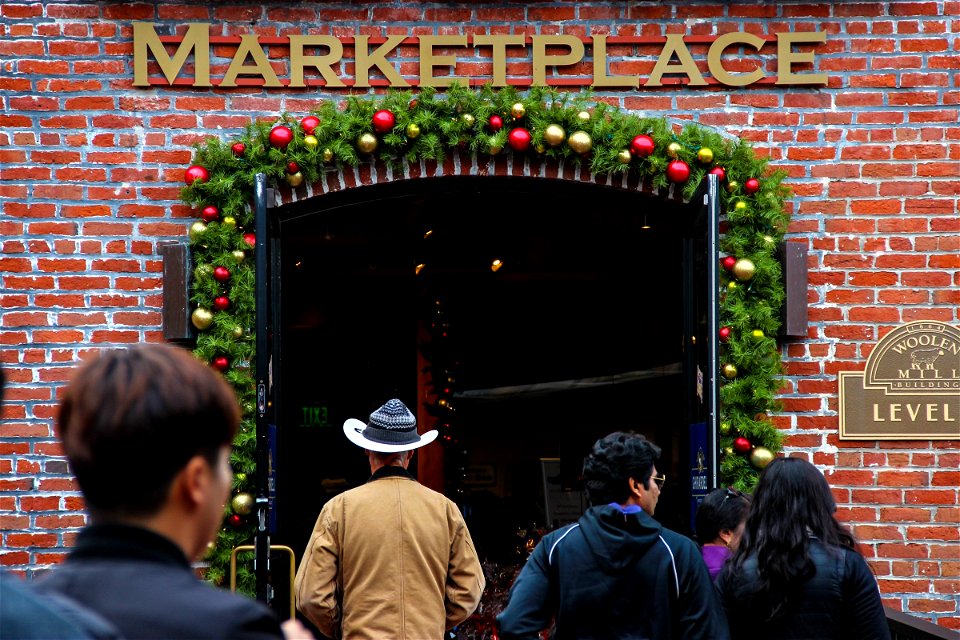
(353, 429)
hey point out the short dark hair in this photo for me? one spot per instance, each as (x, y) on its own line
(721, 509)
(131, 419)
(611, 463)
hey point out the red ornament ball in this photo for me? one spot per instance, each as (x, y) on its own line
(238, 149)
(194, 173)
(235, 520)
(221, 303)
(751, 186)
(741, 445)
(729, 262)
(210, 214)
(309, 123)
(292, 167)
(383, 121)
(642, 146)
(251, 240)
(678, 171)
(221, 274)
(281, 136)
(495, 123)
(220, 363)
(724, 332)
(720, 172)
(519, 139)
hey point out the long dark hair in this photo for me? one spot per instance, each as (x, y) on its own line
(792, 503)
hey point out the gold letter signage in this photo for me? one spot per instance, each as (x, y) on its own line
(439, 60)
(910, 389)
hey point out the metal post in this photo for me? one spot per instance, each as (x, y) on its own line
(261, 563)
(713, 321)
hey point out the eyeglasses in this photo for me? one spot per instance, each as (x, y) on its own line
(660, 480)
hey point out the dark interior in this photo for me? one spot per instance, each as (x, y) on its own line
(578, 334)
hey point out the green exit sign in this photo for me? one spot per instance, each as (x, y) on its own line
(314, 417)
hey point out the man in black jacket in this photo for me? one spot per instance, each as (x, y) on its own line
(148, 433)
(616, 573)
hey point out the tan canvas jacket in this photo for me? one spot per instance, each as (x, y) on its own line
(389, 559)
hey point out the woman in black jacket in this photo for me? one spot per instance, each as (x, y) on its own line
(797, 572)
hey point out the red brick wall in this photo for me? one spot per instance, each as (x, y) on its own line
(90, 171)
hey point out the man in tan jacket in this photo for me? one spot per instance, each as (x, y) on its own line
(391, 558)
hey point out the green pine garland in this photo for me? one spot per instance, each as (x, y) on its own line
(429, 126)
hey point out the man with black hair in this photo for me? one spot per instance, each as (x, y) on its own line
(616, 573)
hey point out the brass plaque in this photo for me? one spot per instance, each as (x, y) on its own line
(910, 388)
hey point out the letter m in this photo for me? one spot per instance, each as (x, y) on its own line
(197, 39)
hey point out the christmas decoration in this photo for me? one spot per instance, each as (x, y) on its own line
(195, 173)
(293, 167)
(751, 186)
(238, 332)
(740, 206)
(383, 121)
(210, 214)
(281, 136)
(518, 110)
(519, 140)
(642, 146)
(678, 171)
(367, 143)
(741, 445)
(724, 334)
(310, 142)
(554, 135)
(221, 303)
(468, 119)
(583, 116)
(624, 156)
(238, 255)
(495, 123)
(494, 150)
(250, 239)
(201, 318)
(744, 269)
(728, 262)
(720, 172)
(309, 124)
(221, 274)
(760, 457)
(732, 186)
(220, 363)
(732, 285)
(242, 503)
(728, 451)
(673, 149)
(196, 230)
(413, 130)
(729, 371)
(295, 179)
(229, 222)
(725, 428)
(327, 155)
(580, 141)
(235, 520)
(757, 335)
(705, 155)
(238, 149)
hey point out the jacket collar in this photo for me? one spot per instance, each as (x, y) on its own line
(121, 541)
(391, 471)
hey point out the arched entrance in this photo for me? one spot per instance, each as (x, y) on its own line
(595, 322)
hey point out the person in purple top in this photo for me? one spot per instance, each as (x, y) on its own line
(719, 524)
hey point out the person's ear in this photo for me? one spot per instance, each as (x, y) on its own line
(194, 480)
(726, 535)
(635, 487)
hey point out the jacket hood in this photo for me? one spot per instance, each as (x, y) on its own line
(618, 539)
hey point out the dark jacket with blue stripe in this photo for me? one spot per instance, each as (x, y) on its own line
(614, 575)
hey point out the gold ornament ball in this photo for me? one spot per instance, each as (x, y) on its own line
(468, 119)
(413, 130)
(242, 504)
(732, 186)
(238, 332)
(580, 141)
(295, 179)
(196, 229)
(729, 371)
(725, 428)
(768, 240)
(229, 222)
(705, 155)
(744, 269)
(539, 148)
(240, 477)
(731, 285)
(583, 116)
(239, 255)
(554, 135)
(757, 335)
(673, 149)
(494, 150)
(518, 110)
(310, 142)
(760, 457)
(728, 451)
(367, 143)
(201, 318)
(327, 155)
(204, 271)
(623, 156)
(740, 206)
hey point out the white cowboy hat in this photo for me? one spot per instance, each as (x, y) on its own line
(391, 428)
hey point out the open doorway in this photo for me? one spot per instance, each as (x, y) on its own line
(579, 332)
